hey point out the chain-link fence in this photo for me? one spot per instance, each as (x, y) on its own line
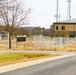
(3, 40)
(45, 42)
(38, 42)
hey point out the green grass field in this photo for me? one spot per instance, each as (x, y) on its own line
(10, 58)
(18, 56)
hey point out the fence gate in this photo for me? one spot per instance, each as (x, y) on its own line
(3, 40)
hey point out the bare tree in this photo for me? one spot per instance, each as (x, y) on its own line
(12, 15)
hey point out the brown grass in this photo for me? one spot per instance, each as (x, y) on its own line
(29, 45)
(10, 58)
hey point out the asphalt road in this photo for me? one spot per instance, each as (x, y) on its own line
(65, 66)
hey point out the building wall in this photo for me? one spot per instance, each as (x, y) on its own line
(68, 27)
(70, 30)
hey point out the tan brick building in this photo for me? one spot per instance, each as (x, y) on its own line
(65, 28)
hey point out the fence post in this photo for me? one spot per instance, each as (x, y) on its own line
(60, 41)
(34, 43)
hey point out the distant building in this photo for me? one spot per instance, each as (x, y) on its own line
(65, 28)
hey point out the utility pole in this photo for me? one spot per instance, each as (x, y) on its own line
(57, 11)
(69, 10)
(59, 17)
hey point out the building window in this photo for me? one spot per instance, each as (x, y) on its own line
(62, 27)
(56, 27)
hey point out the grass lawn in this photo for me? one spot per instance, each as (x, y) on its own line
(10, 58)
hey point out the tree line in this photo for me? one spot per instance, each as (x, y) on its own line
(36, 31)
(30, 32)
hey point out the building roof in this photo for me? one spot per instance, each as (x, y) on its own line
(71, 21)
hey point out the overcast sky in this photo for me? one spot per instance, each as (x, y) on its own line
(44, 11)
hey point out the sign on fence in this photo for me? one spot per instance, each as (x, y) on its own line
(21, 38)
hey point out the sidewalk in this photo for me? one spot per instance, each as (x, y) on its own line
(29, 63)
